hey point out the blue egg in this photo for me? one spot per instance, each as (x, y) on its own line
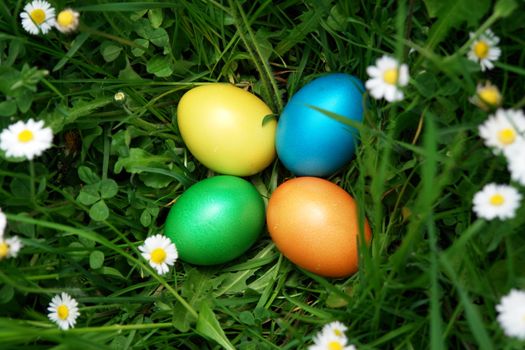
(309, 142)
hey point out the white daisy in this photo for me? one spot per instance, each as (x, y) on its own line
(3, 223)
(63, 310)
(496, 201)
(67, 20)
(511, 314)
(385, 79)
(335, 328)
(38, 16)
(515, 155)
(502, 129)
(484, 50)
(324, 341)
(10, 247)
(26, 139)
(487, 96)
(160, 252)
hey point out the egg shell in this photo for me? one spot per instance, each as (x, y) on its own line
(222, 126)
(310, 143)
(314, 223)
(216, 220)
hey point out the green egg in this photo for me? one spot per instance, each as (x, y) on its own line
(216, 220)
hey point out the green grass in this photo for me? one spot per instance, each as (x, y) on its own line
(433, 272)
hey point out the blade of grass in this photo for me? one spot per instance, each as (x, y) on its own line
(125, 6)
(436, 320)
(473, 317)
(209, 326)
(77, 44)
(271, 91)
(430, 194)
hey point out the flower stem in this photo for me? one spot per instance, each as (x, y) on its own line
(105, 159)
(89, 30)
(32, 180)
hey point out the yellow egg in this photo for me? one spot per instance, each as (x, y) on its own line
(222, 126)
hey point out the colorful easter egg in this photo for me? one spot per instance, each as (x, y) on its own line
(310, 142)
(314, 223)
(216, 220)
(224, 127)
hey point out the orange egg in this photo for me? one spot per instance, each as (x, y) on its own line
(314, 223)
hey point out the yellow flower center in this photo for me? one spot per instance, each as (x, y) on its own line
(38, 16)
(481, 49)
(338, 332)
(390, 76)
(25, 136)
(497, 199)
(119, 96)
(490, 95)
(335, 345)
(66, 18)
(4, 249)
(158, 255)
(507, 136)
(62, 312)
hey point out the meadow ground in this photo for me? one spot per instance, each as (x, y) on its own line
(435, 269)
